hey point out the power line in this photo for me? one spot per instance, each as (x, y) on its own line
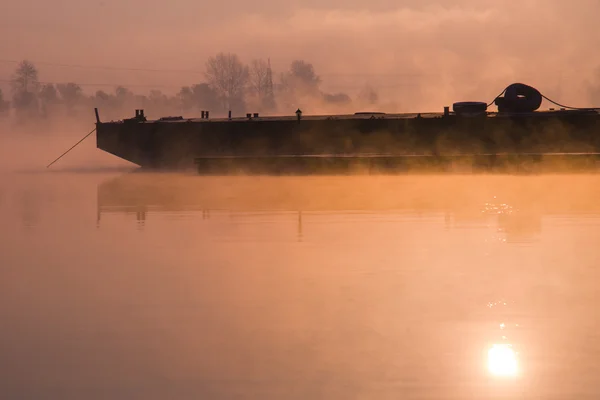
(187, 71)
(172, 86)
(104, 67)
(412, 75)
(105, 84)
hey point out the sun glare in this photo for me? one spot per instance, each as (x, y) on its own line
(502, 360)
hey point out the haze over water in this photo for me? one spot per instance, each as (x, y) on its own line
(117, 285)
(121, 285)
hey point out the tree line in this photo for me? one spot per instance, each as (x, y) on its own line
(228, 85)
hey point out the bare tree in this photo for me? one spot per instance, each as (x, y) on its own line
(25, 78)
(261, 84)
(227, 75)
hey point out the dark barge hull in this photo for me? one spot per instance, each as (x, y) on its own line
(542, 141)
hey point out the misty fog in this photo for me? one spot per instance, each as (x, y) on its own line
(418, 55)
(117, 284)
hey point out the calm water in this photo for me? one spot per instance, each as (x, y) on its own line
(120, 285)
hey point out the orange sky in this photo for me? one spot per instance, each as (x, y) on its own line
(428, 51)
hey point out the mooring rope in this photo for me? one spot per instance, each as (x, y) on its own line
(85, 137)
(553, 102)
(571, 108)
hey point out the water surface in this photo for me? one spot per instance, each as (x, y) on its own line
(119, 285)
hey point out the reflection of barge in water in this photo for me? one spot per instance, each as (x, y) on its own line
(516, 137)
(519, 203)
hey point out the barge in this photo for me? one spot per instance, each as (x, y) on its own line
(515, 137)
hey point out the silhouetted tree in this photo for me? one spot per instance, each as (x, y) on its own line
(199, 97)
(124, 99)
(158, 102)
(107, 105)
(123, 93)
(228, 84)
(158, 97)
(186, 99)
(301, 79)
(4, 105)
(338, 98)
(48, 93)
(102, 96)
(49, 99)
(25, 85)
(70, 93)
(261, 84)
(594, 90)
(368, 96)
(228, 77)
(299, 86)
(205, 97)
(140, 101)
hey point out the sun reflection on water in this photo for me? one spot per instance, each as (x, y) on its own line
(502, 360)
